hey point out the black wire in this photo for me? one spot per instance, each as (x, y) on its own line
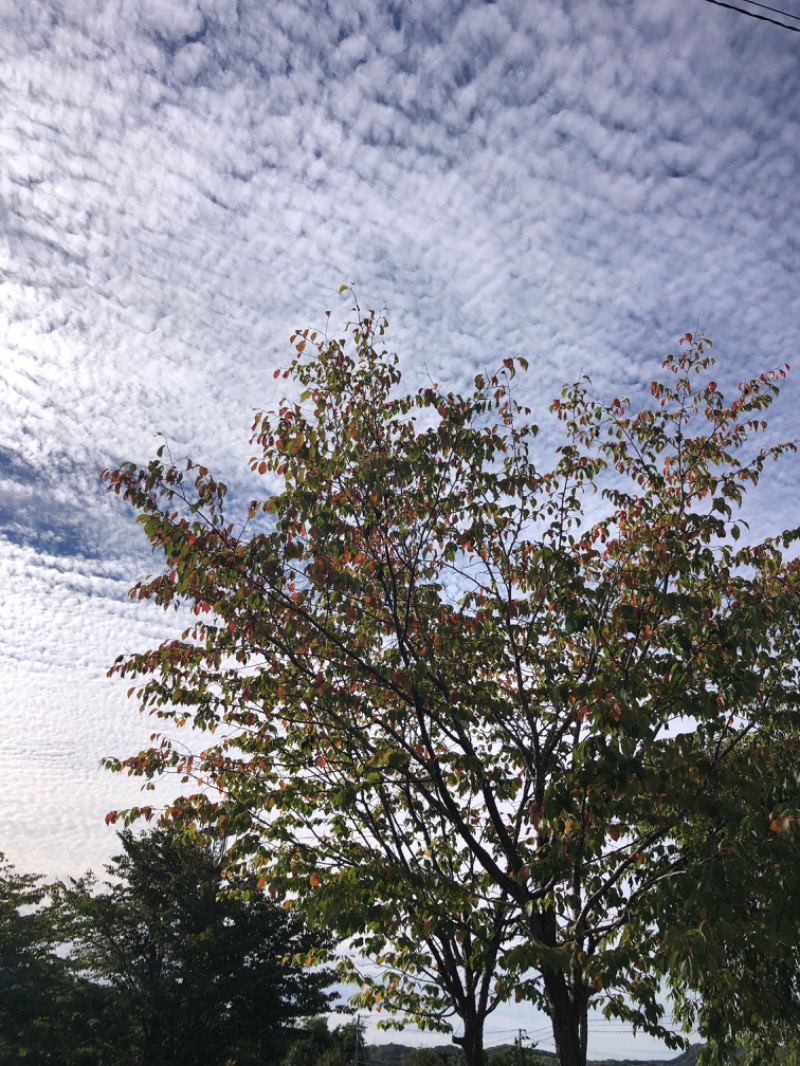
(755, 3)
(753, 15)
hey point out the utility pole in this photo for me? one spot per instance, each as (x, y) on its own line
(520, 1055)
(357, 1050)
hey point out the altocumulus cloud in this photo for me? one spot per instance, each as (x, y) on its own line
(184, 183)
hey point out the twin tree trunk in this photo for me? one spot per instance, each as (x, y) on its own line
(568, 1010)
(472, 1042)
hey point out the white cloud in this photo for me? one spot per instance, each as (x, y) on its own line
(185, 183)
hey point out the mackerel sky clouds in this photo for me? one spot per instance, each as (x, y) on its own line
(184, 182)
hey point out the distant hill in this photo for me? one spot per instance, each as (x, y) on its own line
(689, 1057)
(393, 1055)
(387, 1054)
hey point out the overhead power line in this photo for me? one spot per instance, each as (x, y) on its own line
(766, 7)
(762, 18)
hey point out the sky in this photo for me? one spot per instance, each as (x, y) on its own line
(185, 182)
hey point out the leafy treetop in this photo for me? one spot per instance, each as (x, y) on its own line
(459, 698)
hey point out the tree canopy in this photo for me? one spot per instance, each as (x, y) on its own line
(29, 972)
(544, 713)
(202, 967)
(316, 1045)
(49, 1016)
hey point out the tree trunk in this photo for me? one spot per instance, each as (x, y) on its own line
(568, 1009)
(472, 1041)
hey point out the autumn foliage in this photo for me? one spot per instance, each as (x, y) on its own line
(543, 714)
